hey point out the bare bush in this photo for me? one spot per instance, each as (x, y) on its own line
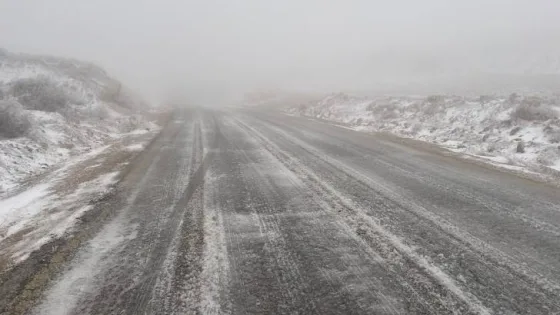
(435, 99)
(14, 121)
(432, 108)
(383, 110)
(513, 98)
(416, 128)
(548, 156)
(371, 106)
(433, 104)
(532, 101)
(531, 112)
(514, 131)
(40, 93)
(130, 123)
(554, 137)
(483, 99)
(74, 94)
(99, 112)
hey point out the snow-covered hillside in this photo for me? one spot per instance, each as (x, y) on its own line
(52, 108)
(514, 130)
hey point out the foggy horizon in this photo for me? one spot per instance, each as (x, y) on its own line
(196, 48)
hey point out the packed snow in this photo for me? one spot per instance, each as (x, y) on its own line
(516, 132)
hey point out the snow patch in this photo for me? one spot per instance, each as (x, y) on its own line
(135, 147)
(81, 276)
(16, 210)
(44, 215)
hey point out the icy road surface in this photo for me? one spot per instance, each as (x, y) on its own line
(255, 213)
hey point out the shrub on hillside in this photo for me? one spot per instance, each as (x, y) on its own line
(532, 109)
(513, 98)
(555, 137)
(432, 108)
(383, 110)
(99, 112)
(435, 99)
(14, 121)
(302, 107)
(40, 93)
(548, 156)
(483, 99)
(532, 101)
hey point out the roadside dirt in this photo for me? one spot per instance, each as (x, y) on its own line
(22, 283)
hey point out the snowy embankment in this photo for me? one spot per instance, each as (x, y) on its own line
(517, 132)
(52, 109)
(73, 125)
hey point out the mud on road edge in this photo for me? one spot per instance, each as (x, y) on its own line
(23, 285)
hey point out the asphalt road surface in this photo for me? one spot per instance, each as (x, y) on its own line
(261, 213)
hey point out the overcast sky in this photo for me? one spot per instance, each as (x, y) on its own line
(210, 45)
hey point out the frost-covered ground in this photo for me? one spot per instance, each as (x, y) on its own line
(52, 205)
(67, 129)
(53, 108)
(517, 132)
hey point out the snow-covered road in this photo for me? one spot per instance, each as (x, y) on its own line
(261, 213)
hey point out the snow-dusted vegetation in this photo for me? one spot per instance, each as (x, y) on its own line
(53, 108)
(511, 130)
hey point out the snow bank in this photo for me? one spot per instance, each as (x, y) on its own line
(513, 130)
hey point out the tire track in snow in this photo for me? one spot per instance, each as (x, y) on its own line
(270, 225)
(246, 199)
(535, 287)
(358, 218)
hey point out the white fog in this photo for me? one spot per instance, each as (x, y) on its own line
(229, 47)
